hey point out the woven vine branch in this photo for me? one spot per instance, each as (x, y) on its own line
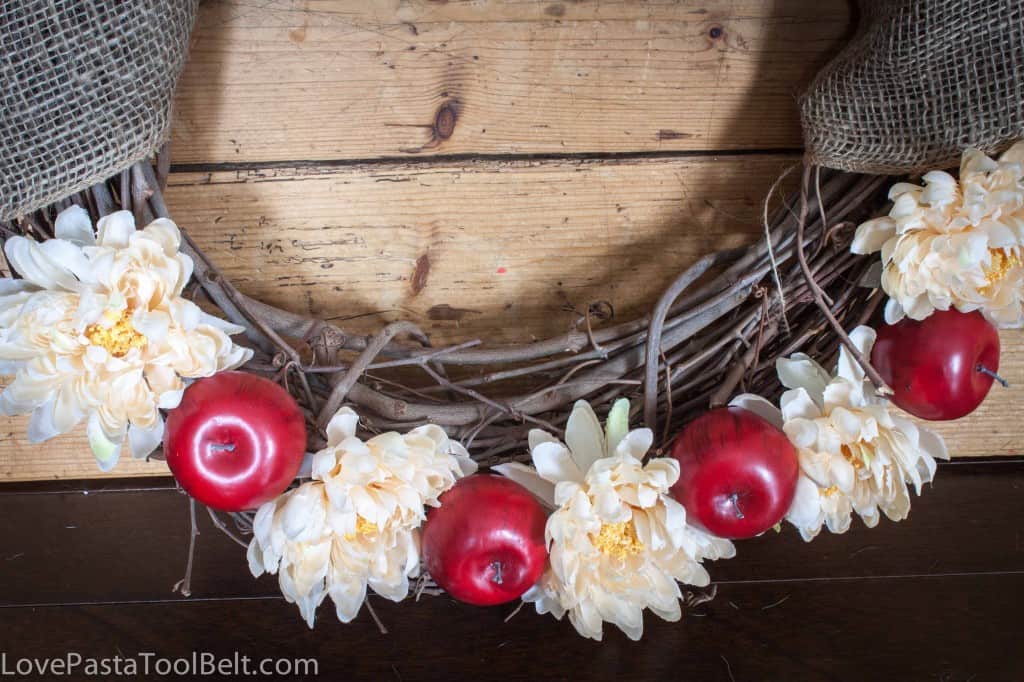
(716, 329)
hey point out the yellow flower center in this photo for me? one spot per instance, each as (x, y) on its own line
(1002, 262)
(850, 457)
(618, 540)
(119, 338)
(830, 491)
(363, 527)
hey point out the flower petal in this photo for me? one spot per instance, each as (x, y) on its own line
(797, 404)
(165, 233)
(538, 436)
(115, 230)
(554, 463)
(154, 325)
(254, 556)
(348, 597)
(584, 436)
(759, 406)
(870, 236)
(74, 225)
(803, 433)
(863, 339)
(32, 263)
(342, 425)
(847, 424)
(636, 443)
(800, 371)
(219, 324)
(529, 479)
(142, 442)
(616, 425)
(932, 443)
(893, 311)
(106, 451)
(805, 511)
(41, 426)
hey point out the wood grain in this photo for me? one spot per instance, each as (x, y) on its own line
(949, 628)
(928, 598)
(51, 533)
(63, 457)
(287, 80)
(505, 251)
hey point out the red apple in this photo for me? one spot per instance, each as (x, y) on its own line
(737, 472)
(940, 367)
(236, 440)
(485, 544)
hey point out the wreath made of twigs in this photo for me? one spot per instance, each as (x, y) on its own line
(718, 328)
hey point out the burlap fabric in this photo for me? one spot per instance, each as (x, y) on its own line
(85, 91)
(921, 80)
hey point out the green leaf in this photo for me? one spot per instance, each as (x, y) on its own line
(106, 451)
(617, 425)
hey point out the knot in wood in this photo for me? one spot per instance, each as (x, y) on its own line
(444, 120)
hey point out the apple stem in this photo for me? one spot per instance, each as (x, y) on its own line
(222, 447)
(735, 499)
(496, 579)
(985, 370)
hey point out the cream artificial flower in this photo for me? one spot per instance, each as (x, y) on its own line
(356, 524)
(97, 330)
(954, 244)
(618, 543)
(856, 454)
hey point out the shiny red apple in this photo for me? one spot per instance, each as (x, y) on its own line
(941, 367)
(485, 544)
(737, 472)
(236, 440)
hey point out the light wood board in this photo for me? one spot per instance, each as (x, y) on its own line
(501, 247)
(287, 80)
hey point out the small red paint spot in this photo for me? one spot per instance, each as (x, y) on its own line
(502, 271)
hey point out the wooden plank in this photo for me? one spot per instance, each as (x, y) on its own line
(496, 250)
(63, 457)
(286, 80)
(58, 545)
(872, 604)
(995, 428)
(954, 628)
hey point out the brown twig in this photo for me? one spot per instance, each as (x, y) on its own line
(184, 586)
(222, 527)
(375, 617)
(668, 398)
(724, 392)
(674, 291)
(423, 359)
(880, 386)
(345, 384)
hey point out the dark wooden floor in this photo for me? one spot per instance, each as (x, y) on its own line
(89, 568)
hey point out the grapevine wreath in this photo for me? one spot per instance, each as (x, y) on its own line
(761, 391)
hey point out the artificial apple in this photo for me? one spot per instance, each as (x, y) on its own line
(236, 440)
(737, 472)
(941, 367)
(485, 544)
